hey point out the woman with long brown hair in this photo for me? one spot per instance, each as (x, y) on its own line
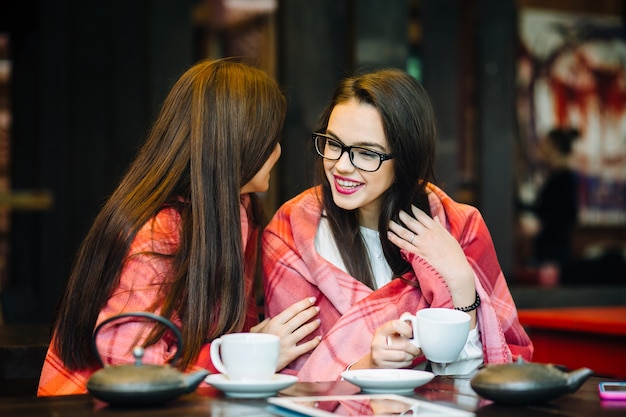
(376, 238)
(178, 237)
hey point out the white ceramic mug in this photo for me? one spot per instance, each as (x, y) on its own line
(441, 333)
(246, 356)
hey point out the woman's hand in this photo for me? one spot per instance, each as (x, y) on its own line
(292, 325)
(429, 239)
(391, 347)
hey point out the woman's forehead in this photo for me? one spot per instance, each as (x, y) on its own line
(357, 124)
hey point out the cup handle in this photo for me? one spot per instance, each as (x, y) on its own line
(410, 317)
(215, 356)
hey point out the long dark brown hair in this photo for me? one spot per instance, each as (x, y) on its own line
(409, 126)
(217, 127)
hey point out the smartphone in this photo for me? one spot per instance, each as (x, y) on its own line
(612, 390)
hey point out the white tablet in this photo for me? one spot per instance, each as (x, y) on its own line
(378, 405)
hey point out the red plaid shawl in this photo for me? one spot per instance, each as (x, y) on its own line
(141, 284)
(350, 311)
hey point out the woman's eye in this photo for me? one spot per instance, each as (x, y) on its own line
(364, 153)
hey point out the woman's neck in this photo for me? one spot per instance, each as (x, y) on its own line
(369, 218)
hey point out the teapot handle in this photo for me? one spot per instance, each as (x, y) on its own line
(144, 314)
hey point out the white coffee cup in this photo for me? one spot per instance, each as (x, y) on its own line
(246, 356)
(441, 333)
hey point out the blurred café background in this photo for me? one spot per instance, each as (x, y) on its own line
(81, 81)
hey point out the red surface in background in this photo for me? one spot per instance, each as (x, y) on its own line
(591, 337)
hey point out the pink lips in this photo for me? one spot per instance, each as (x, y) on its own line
(346, 190)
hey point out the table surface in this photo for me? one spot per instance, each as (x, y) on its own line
(211, 402)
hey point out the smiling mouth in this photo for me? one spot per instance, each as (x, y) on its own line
(346, 186)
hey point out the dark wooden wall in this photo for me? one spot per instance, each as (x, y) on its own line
(315, 44)
(87, 79)
(495, 78)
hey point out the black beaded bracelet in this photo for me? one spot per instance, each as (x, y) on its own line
(472, 307)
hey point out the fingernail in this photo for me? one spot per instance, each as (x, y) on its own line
(312, 300)
(317, 308)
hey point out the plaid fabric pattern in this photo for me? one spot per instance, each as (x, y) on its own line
(350, 311)
(143, 281)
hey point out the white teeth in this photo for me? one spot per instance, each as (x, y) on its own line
(348, 184)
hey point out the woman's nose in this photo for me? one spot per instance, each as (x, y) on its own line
(344, 164)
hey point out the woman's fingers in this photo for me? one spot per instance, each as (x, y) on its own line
(413, 226)
(421, 216)
(293, 317)
(306, 329)
(391, 346)
(293, 331)
(293, 325)
(293, 310)
(302, 317)
(288, 353)
(418, 221)
(400, 237)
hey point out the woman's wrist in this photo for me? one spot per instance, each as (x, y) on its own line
(470, 307)
(466, 299)
(463, 295)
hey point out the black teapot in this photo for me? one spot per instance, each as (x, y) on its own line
(142, 384)
(524, 382)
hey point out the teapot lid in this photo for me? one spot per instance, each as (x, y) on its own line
(135, 377)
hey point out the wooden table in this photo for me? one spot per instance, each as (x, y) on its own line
(592, 337)
(208, 402)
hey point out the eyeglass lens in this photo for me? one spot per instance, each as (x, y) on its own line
(362, 158)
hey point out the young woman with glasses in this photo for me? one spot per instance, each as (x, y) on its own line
(376, 238)
(179, 235)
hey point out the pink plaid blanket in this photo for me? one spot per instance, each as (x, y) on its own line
(142, 282)
(350, 311)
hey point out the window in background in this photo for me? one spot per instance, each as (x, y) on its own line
(571, 74)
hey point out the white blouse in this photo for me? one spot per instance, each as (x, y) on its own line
(470, 358)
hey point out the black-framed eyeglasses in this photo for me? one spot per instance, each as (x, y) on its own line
(362, 158)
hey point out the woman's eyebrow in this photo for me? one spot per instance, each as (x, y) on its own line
(364, 144)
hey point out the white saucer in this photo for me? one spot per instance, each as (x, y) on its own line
(251, 389)
(385, 381)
